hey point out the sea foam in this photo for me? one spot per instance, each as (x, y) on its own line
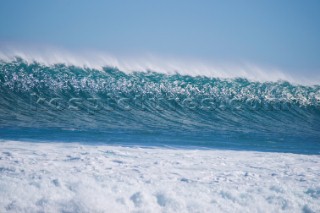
(61, 177)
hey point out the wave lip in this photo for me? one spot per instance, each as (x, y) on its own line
(191, 67)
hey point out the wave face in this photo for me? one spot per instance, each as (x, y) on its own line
(68, 103)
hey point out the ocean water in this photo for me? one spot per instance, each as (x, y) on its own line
(89, 139)
(66, 103)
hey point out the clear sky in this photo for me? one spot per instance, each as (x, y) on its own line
(280, 33)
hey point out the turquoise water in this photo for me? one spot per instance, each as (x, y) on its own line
(66, 103)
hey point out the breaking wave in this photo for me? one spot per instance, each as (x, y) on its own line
(111, 105)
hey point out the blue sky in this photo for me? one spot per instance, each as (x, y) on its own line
(284, 34)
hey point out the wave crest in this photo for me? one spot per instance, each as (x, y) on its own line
(190, 67)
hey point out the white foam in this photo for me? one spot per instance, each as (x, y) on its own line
(46, 177)
(192, 67)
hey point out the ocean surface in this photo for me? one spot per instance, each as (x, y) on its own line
(89, 139)
(66, 103)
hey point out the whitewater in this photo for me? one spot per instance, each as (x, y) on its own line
(95, 134)
(60, 177)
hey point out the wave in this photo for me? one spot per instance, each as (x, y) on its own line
(206, 109)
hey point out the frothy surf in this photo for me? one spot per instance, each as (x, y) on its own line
(50, 177)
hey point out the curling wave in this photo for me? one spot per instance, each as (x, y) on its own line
(63, 102)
